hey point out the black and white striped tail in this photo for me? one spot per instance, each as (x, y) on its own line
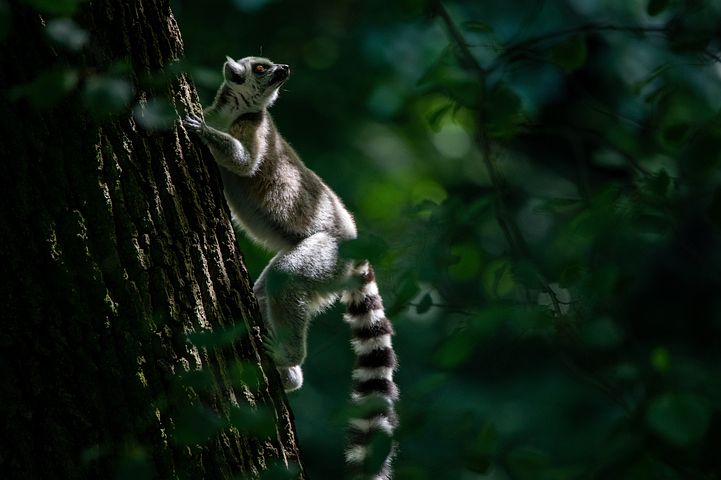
(374, 392)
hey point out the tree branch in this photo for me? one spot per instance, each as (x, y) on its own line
(454, 32)
(522, 45)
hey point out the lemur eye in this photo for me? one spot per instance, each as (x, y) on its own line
(259, 69)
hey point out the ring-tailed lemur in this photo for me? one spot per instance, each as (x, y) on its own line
(282, 204)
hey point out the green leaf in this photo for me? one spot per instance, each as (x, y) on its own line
(244, 374)
(379, 447)
(466, 93)
(365, 247)
(196, 425)
(476, 26)
(195, 379)
(601, 334)
(48, 88)
(407, 288)
(106, 95)
(501, 111)
(425, 304)
(217, 338)
(156, 114)
(571, 54)
(681, 419)
(468, 262)
(67, 33)
(455, 350)
(55, 7)
(498, 278)
(435, 117)
(655, 7)
(258, 422)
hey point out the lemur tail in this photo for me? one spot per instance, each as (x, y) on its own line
(374, 392)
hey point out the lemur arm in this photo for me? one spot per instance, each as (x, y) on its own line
(226, 149)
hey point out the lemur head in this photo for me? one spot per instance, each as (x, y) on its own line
(255, 81)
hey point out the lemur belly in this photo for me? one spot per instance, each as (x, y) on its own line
(258, 222)
(281, 221)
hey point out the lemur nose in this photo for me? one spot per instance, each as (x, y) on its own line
(285, 68)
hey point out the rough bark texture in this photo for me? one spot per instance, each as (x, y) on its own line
(116, 244)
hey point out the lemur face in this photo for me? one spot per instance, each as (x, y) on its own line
(256, 79)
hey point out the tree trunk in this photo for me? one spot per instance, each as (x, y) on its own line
(117, 249)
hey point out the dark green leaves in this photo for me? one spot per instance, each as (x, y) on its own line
(258, 422)
(217, 338)
(155, 114)
(501, 112)
(65, 32)
(570, 55)
(107, 95)
(378, 449)
(48, 88)
(365, 247)
(436, 117)
(456, 349)
(681, 419)
(481, 452)
(498, 278)
(195, 425)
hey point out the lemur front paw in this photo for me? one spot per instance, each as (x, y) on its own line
(194, 123)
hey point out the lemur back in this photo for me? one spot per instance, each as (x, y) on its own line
(283, 205)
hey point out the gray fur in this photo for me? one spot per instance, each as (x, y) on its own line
(280, 203)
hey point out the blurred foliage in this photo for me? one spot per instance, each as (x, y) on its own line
(538, 185)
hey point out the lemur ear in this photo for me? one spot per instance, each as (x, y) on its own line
(233, 71)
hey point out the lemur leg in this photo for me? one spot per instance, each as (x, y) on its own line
(296, 285)
(226, 149)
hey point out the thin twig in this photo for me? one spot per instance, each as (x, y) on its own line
(457, 37)
(585, 28)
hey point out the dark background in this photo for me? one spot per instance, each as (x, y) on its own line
(607, 145)
(538, 186)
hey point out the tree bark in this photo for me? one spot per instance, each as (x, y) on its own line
(116, 249)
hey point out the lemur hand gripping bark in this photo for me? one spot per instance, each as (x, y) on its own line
(283, 205)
